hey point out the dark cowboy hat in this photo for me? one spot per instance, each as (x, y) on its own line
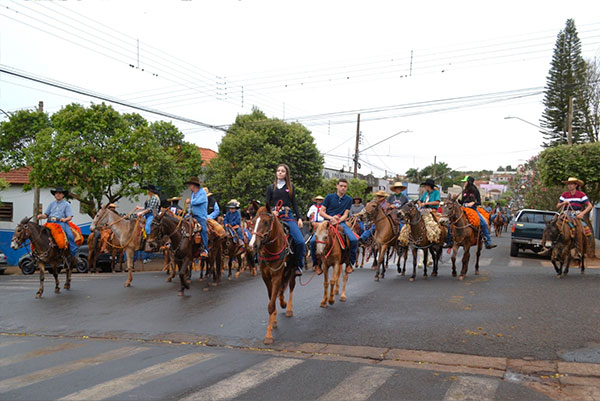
(151, 188)
(357, 197)
(59, 189)
(429, 182)
(193, 180)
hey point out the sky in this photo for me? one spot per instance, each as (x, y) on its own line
(441, 75)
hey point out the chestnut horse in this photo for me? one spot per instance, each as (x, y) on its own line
(277, 264)
(386, 234)
(332, 250)
(463, 234)
(567, 243)
(44, 250)
(499, 223)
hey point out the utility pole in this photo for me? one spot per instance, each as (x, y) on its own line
(434, 167)
(36, 189)
(356, 146)
(570, 122)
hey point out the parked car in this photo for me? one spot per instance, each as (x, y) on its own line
(3, 263)
(28, 267)
(527, 229)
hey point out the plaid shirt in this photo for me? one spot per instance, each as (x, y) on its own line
(153, 204)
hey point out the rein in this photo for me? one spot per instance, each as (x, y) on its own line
(273, 256)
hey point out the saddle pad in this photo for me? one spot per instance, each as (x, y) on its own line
(77, 234)
(473, 217)
(58, 234)
(215, 227)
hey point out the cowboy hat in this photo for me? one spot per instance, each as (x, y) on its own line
(318, 197)
(381, 193)
(111, 206)
(175, 198)
(193, 180)
(208, 193)
(59, 189)
(429, 182)
(574, 180)
(398, 184)
(357, 197)
(233, 204)
(151, 188)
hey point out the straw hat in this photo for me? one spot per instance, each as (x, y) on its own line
(574, 180)
(398, 184)
(208, 193)
(111, 206)
(381, 193)
(318, 197)
(175, 198)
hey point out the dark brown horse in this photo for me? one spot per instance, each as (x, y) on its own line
(277, 264)
(498, 223)
(386, 234)
(332, 251)
(568, 243)
(44, 251)
(463, 234)
(181, 239)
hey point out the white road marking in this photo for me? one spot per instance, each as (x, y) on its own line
(240, 383)
(360, 385)
(515, 263)
(485, 262)
(37, 353)
(44, 374)
(10, 342)
(470, 388)
(129, 382)
(546, 263)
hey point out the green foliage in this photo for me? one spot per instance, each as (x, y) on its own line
(566, 78)
(582, 161)
(99, 153)
(3, 186)
(592, 99)
(17, 134)
(529, 190)
(356, 187)
(250, 152)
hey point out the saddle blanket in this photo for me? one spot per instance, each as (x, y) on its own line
(61, 238)
(474, 218)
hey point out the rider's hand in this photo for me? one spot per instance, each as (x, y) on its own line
(300, 224)
(275, 213)
(579, 215)
(39, 216)
(188, 201)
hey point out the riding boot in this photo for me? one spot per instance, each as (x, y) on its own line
(349, 269)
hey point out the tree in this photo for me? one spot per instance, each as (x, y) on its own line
(250, 152)
(3, 186)
(500, 169)
(414, 175)
(98, 153)
(18, 134)
(529, 190)
(591, 98)
(566, 79)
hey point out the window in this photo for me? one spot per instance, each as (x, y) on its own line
(540, 218)
(6, 211)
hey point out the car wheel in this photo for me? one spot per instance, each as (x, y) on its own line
(82, 264)
(514, 249)
(27, 266)
(1, 272)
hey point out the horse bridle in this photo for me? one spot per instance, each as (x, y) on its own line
(462, 212)
(266, 233)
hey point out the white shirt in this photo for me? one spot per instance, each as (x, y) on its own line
(316, 217)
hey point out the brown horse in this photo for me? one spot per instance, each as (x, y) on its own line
(386, 233)
(216, 240)
(353, 223)
(420, 240)
(332, 251)
(567, 243)
(463, 234)
(499, 223)
(127, 234)
(44, 251)
(181, 238)
(242, 254)
(98, 243)
(277, 265)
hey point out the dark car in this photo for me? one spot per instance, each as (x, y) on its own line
(3, 263)
(527, 230)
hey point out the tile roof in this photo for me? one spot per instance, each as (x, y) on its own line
(17, 176)
(207, 155)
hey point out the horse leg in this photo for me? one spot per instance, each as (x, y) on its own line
(184, 265)
(345, 277)
(42, 272)
(272, 308)
(56, 280)
(384, 265)
(129, 253)
(435, 257)
(333, 284)
(425, 260)
(477, 255)
(453, 258)
(325, 284)
(465, 262)
(405, 253)
(414, 257)
(120, 253)
(69, 269)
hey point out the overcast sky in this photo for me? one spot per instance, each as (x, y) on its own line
(318, 62)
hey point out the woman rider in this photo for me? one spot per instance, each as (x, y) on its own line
(283, 190)
(471, 198)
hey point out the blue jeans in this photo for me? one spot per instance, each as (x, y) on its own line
(70, 237)
(204, 232)
(367, 233)
(351, 237)
(139, 255)
(297, 238)
(484, 228)
(148, 227)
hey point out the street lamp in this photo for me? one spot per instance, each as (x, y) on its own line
(525, 121)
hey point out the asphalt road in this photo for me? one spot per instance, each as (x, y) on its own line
(516, 308)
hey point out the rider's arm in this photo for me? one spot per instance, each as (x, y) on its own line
(345, 215)
(323, 213)
(586, 210)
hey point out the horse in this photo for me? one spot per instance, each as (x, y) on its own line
(99, 242)
(353, 223)
(180, 232)
(419, 238)
(386, 233)
(277, 264)
(463, 234)
(242, 254)
(567, 243)
(127, 234)
(332, 250)
(44, 250)
(499, 223)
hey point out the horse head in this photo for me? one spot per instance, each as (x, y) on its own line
(154, 239)
(322, 236)
(263, 224)
(551, 233)
(22, 232)
(450, 208)
(99, 217)
(409, 212)
(370, 210)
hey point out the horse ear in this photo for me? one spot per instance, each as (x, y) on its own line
(454, 196)
(268, 205)
(25, 220)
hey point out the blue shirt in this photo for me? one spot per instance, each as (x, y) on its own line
(215, 212)
(431, 197)
(199, 203)
(59, 210)
(334, 205)
(232, 218)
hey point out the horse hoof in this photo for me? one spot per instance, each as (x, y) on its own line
(336, 292)
(283, 305)
(461, 277)
(268, 340)
(213, 284)
(343, 298)
(128, 284)
(323, 305)
(180, 294)
(289, 313)
(38, 296)
(205, 289)
(57, 290)
(411, 279)
(67, 286)
(376, 279)
(169, 280)
(424, 277)
(331, 301)
(558, 276)
(454, 274)
(433, 274)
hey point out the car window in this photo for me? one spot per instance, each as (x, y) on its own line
(539, 218)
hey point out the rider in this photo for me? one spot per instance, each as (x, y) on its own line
(282, 192)
(213, 207)
(198, 202)
(471, 198)
(313, 212)
(380, 197)
(575, 198)
(59, 211)
(430, 199)
(233, 220)
(356, 208)
(174, 206)
(336, 208)
(151, 206)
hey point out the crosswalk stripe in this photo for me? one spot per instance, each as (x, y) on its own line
(469, 388)
(37, 353)
(240, 383)
(546, 263)
(515, 263)
(120, 385)
(360, 385)
(484, 262)
(44, 374)
(10, 342)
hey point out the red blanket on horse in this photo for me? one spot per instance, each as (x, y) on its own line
(61, 238)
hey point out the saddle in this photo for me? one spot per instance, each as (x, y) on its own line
(215, 228)
(474, 218)
(61, 238)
